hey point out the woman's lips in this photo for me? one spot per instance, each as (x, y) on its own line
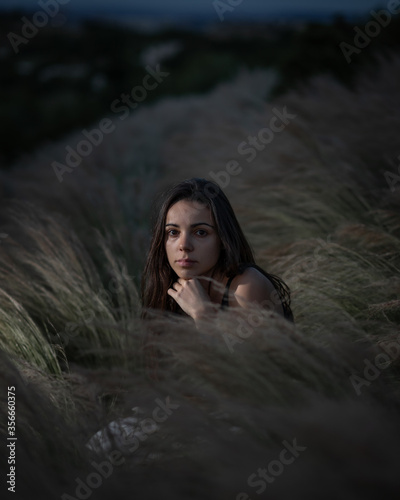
(186, 262)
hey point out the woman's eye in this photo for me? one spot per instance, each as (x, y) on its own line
(201, 232)
(172, 232)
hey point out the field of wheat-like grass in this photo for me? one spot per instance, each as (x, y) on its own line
(244, 407)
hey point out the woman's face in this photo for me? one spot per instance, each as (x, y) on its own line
(191, 240)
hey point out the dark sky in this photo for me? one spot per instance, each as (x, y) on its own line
(204, 7)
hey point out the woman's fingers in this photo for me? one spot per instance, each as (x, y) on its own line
(190, 296)
(176, 286)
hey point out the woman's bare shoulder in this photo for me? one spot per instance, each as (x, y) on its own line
(253, 286)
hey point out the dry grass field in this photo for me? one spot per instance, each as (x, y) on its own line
(315, 204)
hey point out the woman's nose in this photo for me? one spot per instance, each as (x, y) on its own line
(185, 243)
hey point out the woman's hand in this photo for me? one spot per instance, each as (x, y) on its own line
(191, 297)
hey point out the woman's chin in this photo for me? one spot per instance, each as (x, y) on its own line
(190, 273)
(186, 275)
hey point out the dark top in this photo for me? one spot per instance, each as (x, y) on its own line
(225, 298)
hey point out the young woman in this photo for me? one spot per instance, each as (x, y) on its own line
(197, 244)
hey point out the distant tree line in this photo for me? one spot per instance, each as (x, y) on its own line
(67, 77)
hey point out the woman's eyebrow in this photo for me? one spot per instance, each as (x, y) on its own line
(202, 224)
(192, 225)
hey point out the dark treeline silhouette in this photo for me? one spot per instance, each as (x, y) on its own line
(66, 77)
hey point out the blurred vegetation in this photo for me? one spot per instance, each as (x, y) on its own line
(67, 77)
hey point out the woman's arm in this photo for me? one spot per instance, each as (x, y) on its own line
(253, 287)
(250, 287)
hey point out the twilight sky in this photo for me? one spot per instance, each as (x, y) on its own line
(204, 7)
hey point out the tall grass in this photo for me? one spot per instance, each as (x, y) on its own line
(315, 207)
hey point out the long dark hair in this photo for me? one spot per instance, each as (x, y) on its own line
(235, 256)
